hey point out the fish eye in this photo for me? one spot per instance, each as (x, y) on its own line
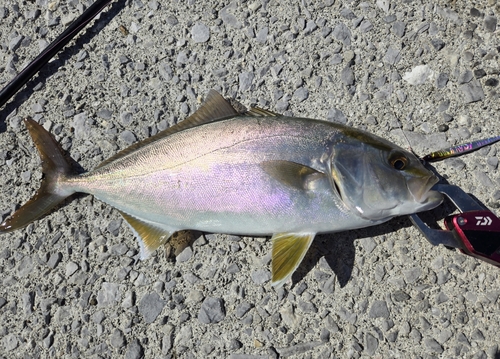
(399, 163)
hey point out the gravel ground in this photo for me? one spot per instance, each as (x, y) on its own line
(72, 285)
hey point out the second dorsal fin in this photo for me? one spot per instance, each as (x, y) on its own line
(214, 108)
(260, 112)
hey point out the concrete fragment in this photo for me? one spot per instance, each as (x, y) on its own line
(212, 311)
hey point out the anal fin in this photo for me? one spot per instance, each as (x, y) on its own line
(149, 236)
(289, 250)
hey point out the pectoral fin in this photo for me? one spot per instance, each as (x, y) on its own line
(150, 237)
(291, 173)
(288, 251)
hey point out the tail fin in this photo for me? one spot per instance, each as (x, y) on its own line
(55, 169)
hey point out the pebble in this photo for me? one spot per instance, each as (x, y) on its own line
(25, 266)
(230, 19)
(399, 28)
(475, 12)
(261, 276)
(400, 296)
(298, 349)
(336, 115)
(171, 20)
(442, 80)
(105, 114)
(412, 274)
(108, 295)
(347, 14)
(185, 255)
(114, 226)
(28, 300)
(443, 128)
(200, 33)
(479, 73)
(117, 339)
(379, 309)
(441, 298)
(242, 309)
(26, 176)
(342, 33)
(261, 36)
(310, 27)
(477, 335)
(307, 307)
(433, 346)
(392, 56)
(71, 268)
(15, 42)
(371, 344)
(10, 342)
(365, 26)
(212, 311)
(301, 94)
(347, 76)
(490, 23)
(80, 125)
(150, 306)
(134, 350)
(492, 82)
(438, 44)
(465, 77)
(483, 179)
(246, 79)
(472, 91)
(184, 337)
(492, 162)
(444, 335)
(368, 244)
(418, 75)
(443, 106)
(329, 285)
(98, 317)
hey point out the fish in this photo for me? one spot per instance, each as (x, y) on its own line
(254, 173)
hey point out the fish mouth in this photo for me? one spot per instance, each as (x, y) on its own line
(422, 192)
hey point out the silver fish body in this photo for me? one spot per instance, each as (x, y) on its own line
(220, 185)
(254, 174)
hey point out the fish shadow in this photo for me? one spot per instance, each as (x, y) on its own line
(59, 60)
(338, 249)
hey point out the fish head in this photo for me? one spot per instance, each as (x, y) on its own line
(378, 180)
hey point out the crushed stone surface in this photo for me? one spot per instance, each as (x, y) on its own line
(72, 284)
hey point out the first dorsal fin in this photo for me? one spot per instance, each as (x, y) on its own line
(214, 108)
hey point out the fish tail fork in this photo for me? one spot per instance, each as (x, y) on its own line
(55, 169)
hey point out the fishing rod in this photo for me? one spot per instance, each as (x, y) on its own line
(50, 51)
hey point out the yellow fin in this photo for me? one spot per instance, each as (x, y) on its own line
(150, 237)
(291, 173)
(260, 112)
(288, 251)
(214, 108)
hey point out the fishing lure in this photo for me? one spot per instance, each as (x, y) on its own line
(459, 149)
